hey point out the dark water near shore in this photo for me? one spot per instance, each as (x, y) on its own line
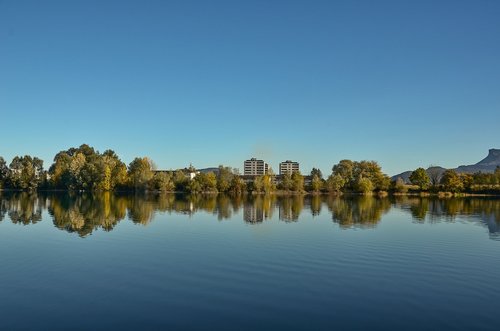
(99, 262)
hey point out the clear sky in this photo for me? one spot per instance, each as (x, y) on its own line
(406, 83)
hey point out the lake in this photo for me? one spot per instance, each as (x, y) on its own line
(100, 262)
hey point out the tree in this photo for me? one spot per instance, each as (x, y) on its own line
(210, 182)
(238, 185)
(59, 170)
(434, 173)
(78, 162)
(400, 186)
(364, 185)
(25, 172)
(451, 181)
(194, 186)
(268, 183)
(224, 178)
(382, 182)
(163, 182)
(316, 172)
(117, 169)
(335, 183)
(140, 172)
(370, 170)
(4, 172)
(345, 169)
(351, 173)
(203, 182)
(180, 181)
(83, 168)
(297, 181)
(258, 184)
(286, 182)
(316, 183)
(420, 178)
(467, 181)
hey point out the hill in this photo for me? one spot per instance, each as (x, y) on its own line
(486, 165)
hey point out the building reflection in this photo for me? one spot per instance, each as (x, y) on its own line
(290, 207)
(258, 208)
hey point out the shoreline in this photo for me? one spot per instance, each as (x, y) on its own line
(380, 194)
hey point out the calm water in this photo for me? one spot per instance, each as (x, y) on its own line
(105, 262)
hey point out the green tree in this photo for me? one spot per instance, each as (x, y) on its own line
(467, 181)
(25, 172)
(345, 169)
(117, 170)
(335, 183)
(59, 170)
(210, 182)
(297, 181)
(451, 181)
(4, 172)
(83, 168)
(316, 183)
(203, 182)
(162, 181)
(258, 184)
(268, 183)
(351, 173)
(400, 186)
(194, 186)
(286, 182)
(140, 173)
(238, 185)
(420, 178)
(364, 185)
(181, 181)
(316, 172)
(78, 180)
(224, 178)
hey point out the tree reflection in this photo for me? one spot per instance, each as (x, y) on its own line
(485, 210)
(362, 211)
(3, 206)
(316, 203)
(22, 208)
(290, 207)
(85, 213)
(258, 208)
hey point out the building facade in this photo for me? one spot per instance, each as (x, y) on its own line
(288, 167)
(254, 167)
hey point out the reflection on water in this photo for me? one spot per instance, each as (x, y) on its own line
(361, 212)
(485, 210)
(85, 213)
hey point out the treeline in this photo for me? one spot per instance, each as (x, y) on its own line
(450, 181)
(85, 169)
(87, 212)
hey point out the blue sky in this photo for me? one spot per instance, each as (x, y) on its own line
(406, 83)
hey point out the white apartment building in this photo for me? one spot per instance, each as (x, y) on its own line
(288, 167)
(254, 167)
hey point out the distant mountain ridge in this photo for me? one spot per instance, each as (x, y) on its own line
(486, 165)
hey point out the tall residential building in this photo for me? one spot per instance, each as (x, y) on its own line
(288, 167)
(254, 167)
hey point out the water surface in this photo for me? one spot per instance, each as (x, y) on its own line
(95, 262)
